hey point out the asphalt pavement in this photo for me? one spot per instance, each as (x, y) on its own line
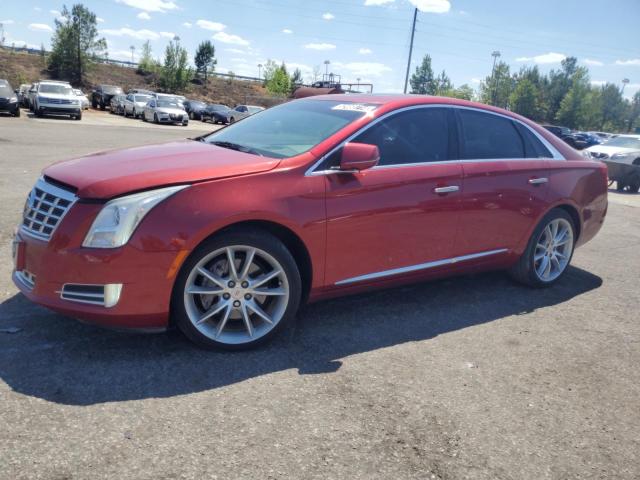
(473, 377)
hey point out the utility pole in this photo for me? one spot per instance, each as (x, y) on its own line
(624, 84)
(259, 70)
(132, 48)
(1, 35)
(413, 31)
(326, 67)
(495, 54)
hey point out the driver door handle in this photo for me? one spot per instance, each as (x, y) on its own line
(538, 181)
(450, 189)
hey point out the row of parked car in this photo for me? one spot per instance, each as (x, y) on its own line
(579, 140)
(166, 108)
(60, 98)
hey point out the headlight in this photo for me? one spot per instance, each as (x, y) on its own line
(13, 99)
(619, 156)
(118, 219)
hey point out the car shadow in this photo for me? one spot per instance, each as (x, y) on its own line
(60, 360)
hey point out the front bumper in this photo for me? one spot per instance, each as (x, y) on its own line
(168, 119)
(9, 107)
(146, 277)
(59, 109)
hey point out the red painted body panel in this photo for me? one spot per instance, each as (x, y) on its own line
(350, 224)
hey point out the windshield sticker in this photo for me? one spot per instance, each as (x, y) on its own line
(355, 107)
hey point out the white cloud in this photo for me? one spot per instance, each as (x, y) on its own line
(320, 46)
(365, 51)
(187, 25)
(143, 34)
(150, 5)
(364, 69)
(431, 6)
(475, 80)
(144, 16)
(550, 57)
(7, 22)
(287, 31)
(633, 61)
(40, 27)
(229, 38)
(169, 35)
(235, 50)
(213, 26)
(598, 83)
(305, 69)
(593, 63)
(369, 3)
(328, 16)
(99, 19)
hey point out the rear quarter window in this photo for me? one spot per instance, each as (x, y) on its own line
(488, 136)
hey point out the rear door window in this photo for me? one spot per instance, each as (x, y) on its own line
(488, 136)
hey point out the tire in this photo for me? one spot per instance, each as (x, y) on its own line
(526, 271)
(191, 116)
(144, 117)
(79, 116)
(232, 120)
(17, 112)
(281, 306)
(634, 187)
(94, 104)
(620, 186)
(155, 118)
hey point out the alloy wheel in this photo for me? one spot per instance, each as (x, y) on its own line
(553, 250)
(236, 294)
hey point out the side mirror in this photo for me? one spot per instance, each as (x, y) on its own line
(359, 156)
(16, 91)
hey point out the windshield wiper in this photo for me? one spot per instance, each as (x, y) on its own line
(236, 146)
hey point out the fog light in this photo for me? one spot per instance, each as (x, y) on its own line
(112, 294)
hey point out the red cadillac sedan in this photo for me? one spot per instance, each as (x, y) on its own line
(227, 234)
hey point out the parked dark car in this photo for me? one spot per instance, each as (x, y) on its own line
(566, 134)
(194, 108)
(102, 95)
(116, 104)
(216, 113)
(8, 99)
(589, 139)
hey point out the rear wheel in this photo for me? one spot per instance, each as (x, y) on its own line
(17, 112)
(548, 252)
(155, 118)
(236, 291)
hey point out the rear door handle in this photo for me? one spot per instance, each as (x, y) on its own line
(450, 189)
(538, 181)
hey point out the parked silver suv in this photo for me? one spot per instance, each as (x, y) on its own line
(56, 98)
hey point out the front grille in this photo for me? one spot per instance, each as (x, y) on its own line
(57, 101)
(175, 116)
(45, 207)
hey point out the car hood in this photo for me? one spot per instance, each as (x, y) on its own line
(174, 111)
(110, 174)
(59, 96)
(610, 150)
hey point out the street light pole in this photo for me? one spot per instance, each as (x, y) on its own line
(413, 31)
(259, 70)
(624, 84)
(132, 48)
(326, 67)
(495, 54)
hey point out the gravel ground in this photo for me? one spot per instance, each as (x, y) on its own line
(471, 377)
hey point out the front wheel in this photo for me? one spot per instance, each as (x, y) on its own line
(236, 291)
(548, 252)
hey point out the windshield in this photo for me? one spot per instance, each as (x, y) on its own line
(5, 90)
(624, 142)
(142, 98)
(60, 89)
(168, 104)
(292, 128)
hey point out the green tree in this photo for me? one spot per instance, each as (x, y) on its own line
(175, 73)
(205, 58)
(612, 107)
(442, 83)
(574, 111)
(269, 70)
(634, 111)
(296, 78)
(423, 81)
(463, 92)
(560, 81)
(75, 44)
(525, 100)
(496, 88)
(146, 64)
(279, 82)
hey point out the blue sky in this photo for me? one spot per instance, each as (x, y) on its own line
(366, 39)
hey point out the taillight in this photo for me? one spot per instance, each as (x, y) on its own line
(604, 172)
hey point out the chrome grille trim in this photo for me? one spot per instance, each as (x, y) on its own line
(46, 205)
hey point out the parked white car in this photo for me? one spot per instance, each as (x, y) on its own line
(160, 110)
(622, 149)
(56, 98)
(84, 100)
(134, 104)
